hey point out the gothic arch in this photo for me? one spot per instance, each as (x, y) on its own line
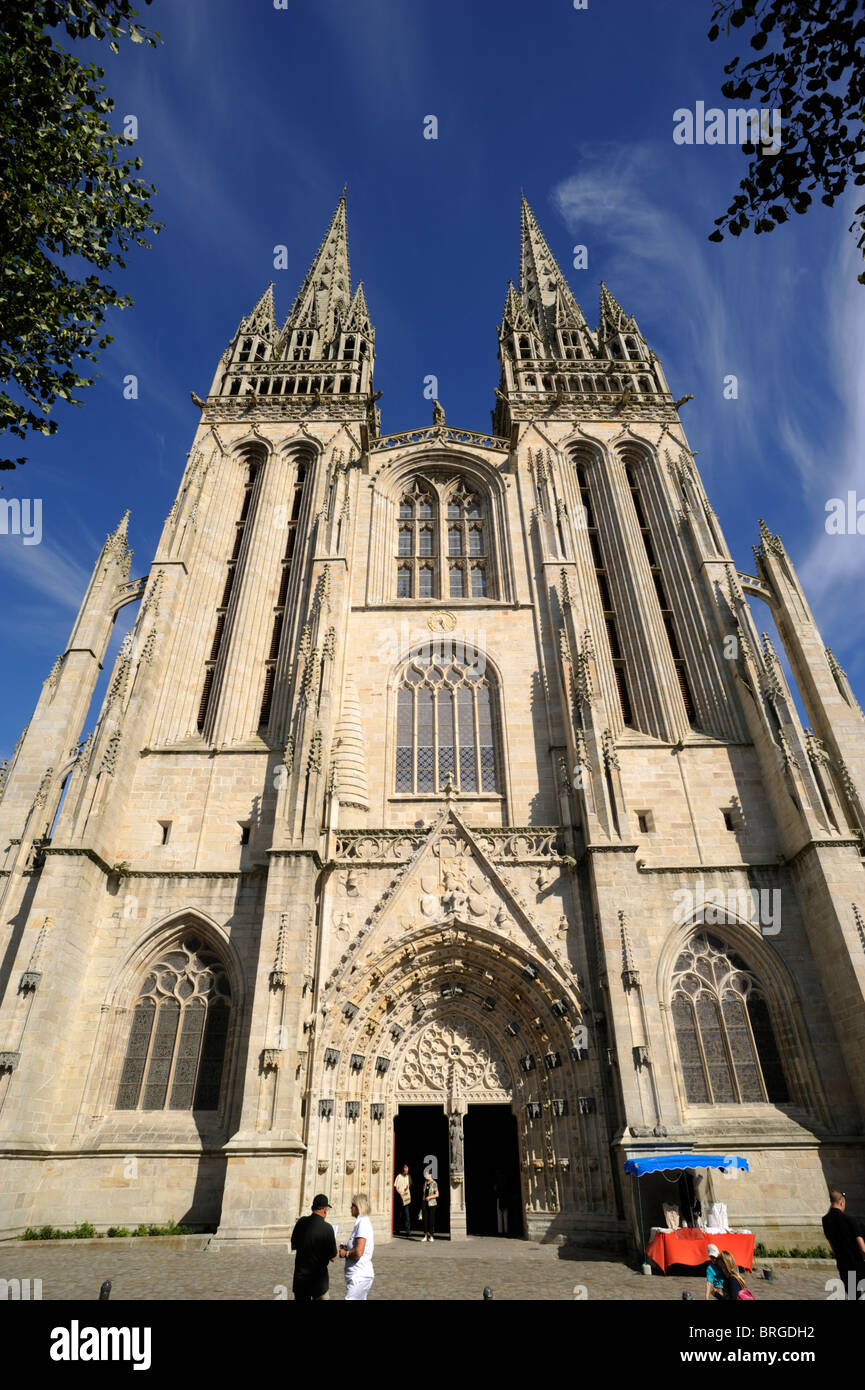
(253, 448)
(453, 979)
(787, 1022)
(440, 463)
(440, 648)
(159, 935)
(116, 1013)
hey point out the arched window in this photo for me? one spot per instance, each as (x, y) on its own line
(467, 575)
(446, 723)
(724, 1034)
(176, 1049)
(442, 546)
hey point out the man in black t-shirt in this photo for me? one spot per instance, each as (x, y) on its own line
(848, 1247)
(315, 1243)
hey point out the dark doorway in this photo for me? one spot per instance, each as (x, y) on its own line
(421, 1137)
(493, 1194)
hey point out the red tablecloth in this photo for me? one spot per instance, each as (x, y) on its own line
(689, 1247)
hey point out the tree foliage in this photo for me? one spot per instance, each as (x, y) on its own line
(810, 67)
(69, 199)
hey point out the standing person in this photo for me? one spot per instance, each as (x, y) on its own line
(430, 1200)
(501, 1190)
(402, 1185)
(734, 1285)
(315, 1243)
(357, 1252)
(848, 1247)
(714, 1277)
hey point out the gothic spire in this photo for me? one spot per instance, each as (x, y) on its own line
(613, 318)
(543, 287)
(357, 319)
(515, 315)
(262, 319)
(326, 291)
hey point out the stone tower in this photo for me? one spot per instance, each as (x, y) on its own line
(444, 807)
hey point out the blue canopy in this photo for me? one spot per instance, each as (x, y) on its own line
(664, 1163)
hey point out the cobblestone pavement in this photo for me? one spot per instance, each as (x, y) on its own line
(404, 1270)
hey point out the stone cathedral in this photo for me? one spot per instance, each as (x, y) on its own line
(445, 806)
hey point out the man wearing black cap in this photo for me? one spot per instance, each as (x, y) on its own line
(315, 1243)
(848, 1246)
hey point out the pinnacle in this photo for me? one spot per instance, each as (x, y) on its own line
(264, 314)
(613, 317)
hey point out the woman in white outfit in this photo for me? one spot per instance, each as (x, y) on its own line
(357, 1254)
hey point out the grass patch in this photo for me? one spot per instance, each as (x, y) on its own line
(811, 1252)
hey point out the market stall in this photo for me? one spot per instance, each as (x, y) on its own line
(688, 1244)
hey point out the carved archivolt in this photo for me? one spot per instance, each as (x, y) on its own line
(457, 1056)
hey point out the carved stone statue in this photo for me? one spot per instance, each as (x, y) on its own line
(454, 896)
(455, 1142)
(438, 414)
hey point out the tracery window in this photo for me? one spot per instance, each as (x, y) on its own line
(176, 1048)
(724, 1033)
(446, 723)
(442, 541)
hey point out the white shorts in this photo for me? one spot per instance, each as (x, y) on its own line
(358, 1288)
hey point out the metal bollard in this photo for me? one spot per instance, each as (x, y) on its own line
(768, 1273)
(105, 1291)
(488, 1293)
(688, 1296)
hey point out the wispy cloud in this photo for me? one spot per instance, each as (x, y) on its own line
(837, 563)
(44, 569)
(648, 247)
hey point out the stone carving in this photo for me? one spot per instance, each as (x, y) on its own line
(441, 622)
(454, 899)
(457, 1056)
(455, 1143)
(344, 925)
(531, 845)
(351, 885)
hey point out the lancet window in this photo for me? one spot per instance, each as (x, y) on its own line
(175, 1053)
(724, 1033)
(447, 716)
(442, 542)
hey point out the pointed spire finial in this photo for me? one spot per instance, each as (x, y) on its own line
(327, 287)
(543, 288)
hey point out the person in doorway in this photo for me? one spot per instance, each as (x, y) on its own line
(315, 1243)
(845, 1239)
(714, 1276)
(430, 1201)
(734, 1287)
(503, 1201)
(358, 1251)
(402, 1186)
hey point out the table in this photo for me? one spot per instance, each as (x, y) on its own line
(690, 1247)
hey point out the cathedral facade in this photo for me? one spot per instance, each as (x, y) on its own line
(445, 806)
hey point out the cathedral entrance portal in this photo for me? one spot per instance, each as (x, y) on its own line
(421, 1141)
(493, 1203)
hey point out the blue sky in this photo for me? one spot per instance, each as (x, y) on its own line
(250, 121)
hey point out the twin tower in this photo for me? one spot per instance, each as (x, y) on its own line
(444, 806)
